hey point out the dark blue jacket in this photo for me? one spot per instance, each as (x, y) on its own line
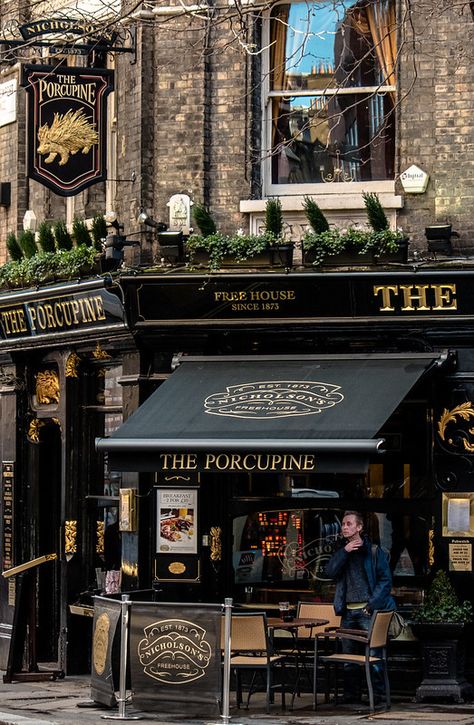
(379, 577)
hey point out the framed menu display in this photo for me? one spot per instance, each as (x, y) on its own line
(176, 530)
(458, 514)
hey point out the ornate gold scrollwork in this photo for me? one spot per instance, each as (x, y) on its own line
(100, 354)
(464, 411)
(431, 547)
(72, 365)
(34, 429)
(70, 537)
(47, 387)
(216, 543)
(99, 547)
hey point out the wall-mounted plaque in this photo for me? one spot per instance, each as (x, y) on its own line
(458, 514)
(460, 556)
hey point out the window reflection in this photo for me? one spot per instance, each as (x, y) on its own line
(334, 64)
(272, 547)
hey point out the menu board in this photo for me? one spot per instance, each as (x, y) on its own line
(176, 521)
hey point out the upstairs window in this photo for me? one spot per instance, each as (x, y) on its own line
(331, 97)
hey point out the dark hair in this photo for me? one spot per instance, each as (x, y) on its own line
(358, 516)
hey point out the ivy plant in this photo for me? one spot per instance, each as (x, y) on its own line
(240, 247)
(351, 241)
(48, 267)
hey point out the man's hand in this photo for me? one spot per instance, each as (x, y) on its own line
(354, 543)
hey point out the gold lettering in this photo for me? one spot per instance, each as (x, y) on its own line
(445, 293)
(41, 317)
(90, 309)
(49, 316)
(5, 322)
(99, 306)
(21, 315)
(58, 314)
(33, 316)
(387, 305)
(409, 296)
(75, 310)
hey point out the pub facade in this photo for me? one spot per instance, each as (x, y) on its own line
(188, 435)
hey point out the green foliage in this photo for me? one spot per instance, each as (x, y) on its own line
(63, 238)
(315, 216)
(13, 247)
(375, 212)
(441, 603)
(352, 241)
(273, 217)
(27, 243)
(81, 233)
(204, 220)
(46, 237)
(239, 247)
(49, 266)
(99, 231)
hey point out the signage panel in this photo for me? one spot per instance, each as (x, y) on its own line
(59, 313)
(67, 125)
(305, 297)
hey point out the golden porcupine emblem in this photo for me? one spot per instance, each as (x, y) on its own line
(68, 134)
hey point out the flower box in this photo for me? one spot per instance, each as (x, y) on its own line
(274, 256)
(341, 259)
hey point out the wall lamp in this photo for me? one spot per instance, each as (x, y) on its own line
(115, 243)
(143, 218)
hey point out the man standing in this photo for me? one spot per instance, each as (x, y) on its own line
(363, 584)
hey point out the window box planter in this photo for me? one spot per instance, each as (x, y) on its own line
(348, 258)
(280, 255)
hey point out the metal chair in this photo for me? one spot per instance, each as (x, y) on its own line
(251, 650)
(376, 637)
(305, 638)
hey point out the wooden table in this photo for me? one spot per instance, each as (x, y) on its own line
(293, 626)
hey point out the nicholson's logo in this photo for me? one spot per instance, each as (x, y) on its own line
(275, 399)
(100, 643)
(174, 651)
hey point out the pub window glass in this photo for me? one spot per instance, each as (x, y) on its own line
(112, 479)
(293, 546)
(330, 106)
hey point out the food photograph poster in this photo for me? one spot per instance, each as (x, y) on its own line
(177, 519)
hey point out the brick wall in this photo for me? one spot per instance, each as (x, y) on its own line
(436, 119)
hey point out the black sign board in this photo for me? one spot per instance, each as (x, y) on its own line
(106, 617)
(67, 126)
(59, 313)
(175, 658)
(266, 299)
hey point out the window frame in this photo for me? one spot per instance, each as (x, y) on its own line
(312, 188)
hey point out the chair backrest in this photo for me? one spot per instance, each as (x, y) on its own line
(379, 628)
(249, 632)
(309, 610)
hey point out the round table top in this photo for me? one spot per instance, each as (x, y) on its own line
(277, 623)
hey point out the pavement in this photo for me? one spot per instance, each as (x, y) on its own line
(67, 702)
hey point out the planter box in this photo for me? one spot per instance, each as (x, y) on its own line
(443, 653)
(351, 259)
(343, 259)
(279, 256)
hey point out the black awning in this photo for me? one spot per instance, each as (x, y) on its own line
(290, 410)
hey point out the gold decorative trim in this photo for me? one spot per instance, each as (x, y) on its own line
(431, 557)
(57, 422)
(34, 430)
(70, 537)
(72, 365)
(47, 387)
(99, 547)
(100, 354)
(464, 411)
(216, 543)
(100, 643)
(177, 567)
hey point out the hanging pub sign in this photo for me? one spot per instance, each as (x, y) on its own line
(67, 123)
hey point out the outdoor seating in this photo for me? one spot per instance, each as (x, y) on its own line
(305, 644)
(252, 651)
(376, 637)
